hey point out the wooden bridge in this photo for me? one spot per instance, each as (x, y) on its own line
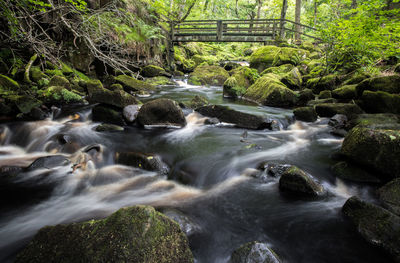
(261, 30)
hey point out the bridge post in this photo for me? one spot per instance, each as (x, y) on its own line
(170, 47)
(219, 30)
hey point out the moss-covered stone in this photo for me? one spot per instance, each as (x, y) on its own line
(380, 102)
(348, 171)
(133, 85)
(389, 84)
(347, 92)
(325, 94)
(161, 112)
(269, 91)
(59, 95)
(133, 234)
(377, 148)
(7, 83)
(376, 225)
(151, 71)
(280, 70)
(269, 56)
(160, 81)
(304, 96)
(26, 103)
(114, 87)
(389, 195)
(305, 114)
(198, 101)
(256, 252)
(59, 81)
(208, 75)
(376, 120)
(107, 114)
(36, 74)
(319, 84)
(331, 109)
(293, 79)
(207, 59)
(182, 62)
(356, 78)
(296, 181)
(323, 101)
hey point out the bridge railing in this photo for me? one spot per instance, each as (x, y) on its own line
(241, 30)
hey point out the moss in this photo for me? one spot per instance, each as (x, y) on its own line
(160, 81)
(356, 78)
(280, 70)
(380, 102)
(269, 91)
(53, 72)
(347, 92)
(152, 71)
(133, 85)
(325, 83)
(198, 101)
(209, 60)
(37, 74)
(66, 70)
(293, 79)
(59, 81)
(183, 63)
(389, 84)
(305, 114)
(58, 94)
(305, 96)
(331, 109)
(8, 83)
(209, 75)
(70, 97)
(134, 234)
(325, 94)
(116, 87)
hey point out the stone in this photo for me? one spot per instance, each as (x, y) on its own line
(331, 109)
(324, 101)
(338, 121)
(347, 92)
(350, 172)
(132, 234)
(274, 169)
(189, 227)
(389, 84)
(105, 127)
(107, 114)
(59, 95)
(280, 70)
(293, 79)
(130, 112)
(296, 181)
(133, 85)
(208, 75)
(60, 81)
(389, 195)
(160, 81)
(380, 102)
(325, 94)
(307, 114)
(198, 101)
(269, 91)
(304, 96)
(240, 119)
(319, 84)
(8, 83)
(36, 74)
(161, 112)
(26, 103)
(151, 71)
(148, 162)
(376, 225)
(254, 252)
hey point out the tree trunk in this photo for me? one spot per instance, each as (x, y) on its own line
(283, 16)
(259, 5)
(297, 20)
(315, 12)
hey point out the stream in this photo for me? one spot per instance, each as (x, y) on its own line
(222, 207)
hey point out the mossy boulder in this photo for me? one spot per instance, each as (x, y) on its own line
(181, 60)
(255, 252)
(207, 59)
(26, 103)
(356, 78)
(148, 162)
(151, 71)
(376, 225)
(269, 56)
(347, 92)
(305, 114)
(7, 83)
(376, 148)
(389, 195)
(36, 74)
(280, 70)
(161, 112)
(59, 95)
(296, 181)
(331, 109)
(131, 84)
(376, 120)
(269, 91)
(133, 234)
(319, 84)
(350, 172)
(160, 81)
(304, 96)
(380, 102)
(321, 101)
(325, 94)
(389, 84)
(208, 75)
(198, 101)
(240, 119)
(60, 81)
(107, 114)
(293, 79)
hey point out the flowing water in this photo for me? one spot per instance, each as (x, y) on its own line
(220, 207)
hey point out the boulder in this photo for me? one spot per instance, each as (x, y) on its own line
(198, 101)
(305, 114)
(189, 227)
(376, 225)
(296, 181)
(389, 195)
(105, 127)
(151, 71)
(254, 252)
(347, 171)
(148, 162)
(375, 147)
(26, 103)
(133, 234)
(293, 79)
(161, 112)
(347, 92)
(331, 109)
(107, 114)
(319, 84)
(208, 75)
(130, 112)
(380, 101)
(59, 95)
(389, 84)
(304, 96)
(356, 78)
(269, 91)
(280, 70)
(240, 119)
(376, 120)
(241, 78)
(160, 81)
(274, 169)
(60, 81)
(325, 94)
(133, 85)
(318, 101)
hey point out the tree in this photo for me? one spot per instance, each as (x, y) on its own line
(283, 17)
(297, 20)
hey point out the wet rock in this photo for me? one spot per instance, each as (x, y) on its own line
(107, 114)
(274, 169)
(296, 181)
(131, 84)
(347, 171)
(59, 81)
(148, 162)
(389, 195)
(25, 103)
(131, 234)
(331, 109)
(325, 94)
(347, 92)
(130, 112)
(49, 162)
(324, 101)
(389, 84)
(108, 128)
(161, 112)
(304, 96)
(375, 147)
(270, 91)
(211, 121)
(185, 223)
(240, 119)
(208, 75)
(305, 114)
(151, 71)
(376, 225)
(198, 101)
(255, 173)
(380, 102)
(254, 252)
(37, 114)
